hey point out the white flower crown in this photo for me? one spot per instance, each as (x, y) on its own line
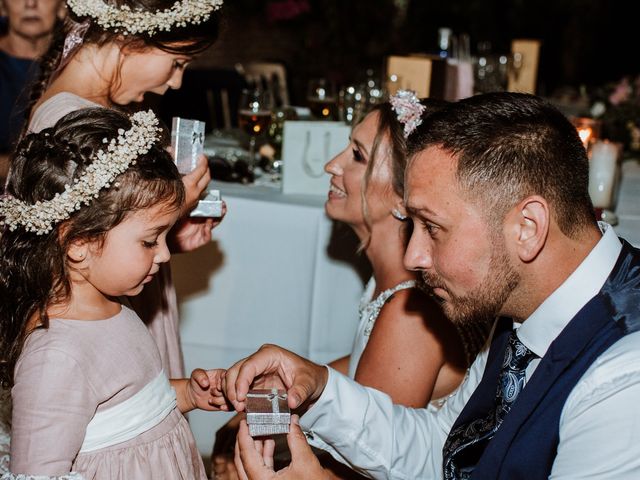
(119, 154)
(408, 109)
(126, 21)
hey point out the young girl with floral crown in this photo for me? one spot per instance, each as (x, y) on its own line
(84, 221)
(110, 53)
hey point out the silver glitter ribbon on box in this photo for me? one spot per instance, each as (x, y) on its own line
(267, 412)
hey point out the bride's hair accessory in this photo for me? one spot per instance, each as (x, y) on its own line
(408, 109)
(74, 39)
(127, 21)
(108, 163)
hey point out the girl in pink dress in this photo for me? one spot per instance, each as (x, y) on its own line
(110, 53)
(85, 220)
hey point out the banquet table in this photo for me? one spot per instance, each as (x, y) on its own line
(628, 203)
(277, 271)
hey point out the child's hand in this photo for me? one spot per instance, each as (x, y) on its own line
(195, 183)
(205, 389)
(202, 390)
(191, 233)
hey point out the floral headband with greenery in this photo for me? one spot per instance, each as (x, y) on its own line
(127, 21)
(119, 154)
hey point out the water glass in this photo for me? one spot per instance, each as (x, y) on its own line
(254, 115)
(603, 174)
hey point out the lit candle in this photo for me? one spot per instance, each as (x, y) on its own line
(588, 129)
(602, 173)
(585, 134)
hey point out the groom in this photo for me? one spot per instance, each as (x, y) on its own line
(503, 227)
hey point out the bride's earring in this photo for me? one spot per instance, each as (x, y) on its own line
(397, 214)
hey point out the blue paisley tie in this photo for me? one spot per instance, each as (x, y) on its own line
(467, 442)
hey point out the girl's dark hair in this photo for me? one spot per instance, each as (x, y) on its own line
(34, 268)
(191, 39)
(390, 127)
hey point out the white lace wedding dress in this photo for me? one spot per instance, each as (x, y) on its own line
(369, 311)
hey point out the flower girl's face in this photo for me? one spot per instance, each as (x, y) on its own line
(348, 171)
(150, 70)
(131, 253)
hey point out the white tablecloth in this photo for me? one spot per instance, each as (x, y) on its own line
(628, 205)
(266, 278)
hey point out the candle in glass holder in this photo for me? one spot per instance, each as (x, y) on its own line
(602, 173)
(588, 129)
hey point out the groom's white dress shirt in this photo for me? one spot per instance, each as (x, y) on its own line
(599, 425)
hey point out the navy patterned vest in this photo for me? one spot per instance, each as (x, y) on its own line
(525, 445)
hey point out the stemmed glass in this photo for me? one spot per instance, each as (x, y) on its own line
(322, 99)
(254, 115)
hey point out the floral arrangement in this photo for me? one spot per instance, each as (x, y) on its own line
(617, 106)
(408, 109)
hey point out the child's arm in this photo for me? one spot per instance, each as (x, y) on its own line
(202, 390)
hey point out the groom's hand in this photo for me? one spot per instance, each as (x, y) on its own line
(254, 459)
(303, 379)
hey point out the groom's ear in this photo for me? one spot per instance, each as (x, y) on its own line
(526, 227)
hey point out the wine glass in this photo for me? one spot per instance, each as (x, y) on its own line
(254, 115)
(321, 97)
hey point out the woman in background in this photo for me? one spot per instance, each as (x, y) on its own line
(26, 36)
(404, 345)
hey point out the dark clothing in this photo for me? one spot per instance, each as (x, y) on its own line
(525, 445)
(15, 75)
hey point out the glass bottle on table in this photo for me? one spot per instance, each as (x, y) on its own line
(254, 115)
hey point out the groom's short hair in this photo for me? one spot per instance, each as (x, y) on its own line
(509, 146)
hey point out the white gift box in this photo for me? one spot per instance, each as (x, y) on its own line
(187, 141)
(307, 146)
(210, 206)
(267, 412)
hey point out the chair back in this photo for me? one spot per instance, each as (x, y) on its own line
(210, 95)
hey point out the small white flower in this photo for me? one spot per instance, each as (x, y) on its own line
(126, 21)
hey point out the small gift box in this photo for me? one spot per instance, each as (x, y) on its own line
(267, 412)
(187, 141)
(210, 206)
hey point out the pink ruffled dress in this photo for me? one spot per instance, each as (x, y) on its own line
(91, 401)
